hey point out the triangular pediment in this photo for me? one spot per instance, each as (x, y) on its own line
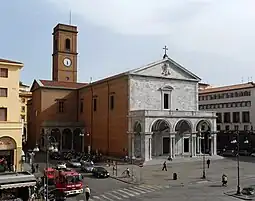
(36, 84)
(165, 68)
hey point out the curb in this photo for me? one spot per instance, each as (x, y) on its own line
(237, 196)
(124, 181)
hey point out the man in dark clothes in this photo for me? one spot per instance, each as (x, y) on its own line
(164, 166)
(208, 163)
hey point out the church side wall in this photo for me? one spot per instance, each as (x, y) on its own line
(145, 93)
(107, 127)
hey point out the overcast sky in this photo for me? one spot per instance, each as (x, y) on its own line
(213, 39)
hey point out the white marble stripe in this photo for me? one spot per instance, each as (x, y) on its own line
(145, 189)
(136, 190)
(153, 187)
(124, 196)
(97, 197)
(126, 189)
(141, 190)
(112, 195)
(126, 193)
(106, 198)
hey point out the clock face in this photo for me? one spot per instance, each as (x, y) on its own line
(67, 62)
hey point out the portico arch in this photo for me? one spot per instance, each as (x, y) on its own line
(161, 137)
(137, 139)
(183, 143)
(203, 127)
(56, 136)
(77, 140)
(67, 139)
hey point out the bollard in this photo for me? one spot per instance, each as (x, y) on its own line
(174, 176)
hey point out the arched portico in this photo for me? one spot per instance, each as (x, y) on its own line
(160, 137)
(203, 127)
(67, 139)
(137, 140)
(55, 137)
(77, 140)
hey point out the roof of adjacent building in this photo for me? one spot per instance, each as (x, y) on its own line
(58, 84)
(227, 88)
(10, 61)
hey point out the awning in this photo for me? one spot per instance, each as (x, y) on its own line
(17, 185)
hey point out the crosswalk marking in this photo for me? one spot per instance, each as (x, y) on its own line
(107, 198)
(97, 197)
(137, 190)
(147, 189)
(126, 193)
(114, 196)
(153, 187)
(124, 196)
(126, 189)
(143, 189)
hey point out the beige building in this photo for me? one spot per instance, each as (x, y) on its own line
(10, 123)
(24, 95)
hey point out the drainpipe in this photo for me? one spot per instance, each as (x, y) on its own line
(92, 116)
(108, 114)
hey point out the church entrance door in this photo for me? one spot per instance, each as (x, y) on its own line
(166, 145)
(186, 145)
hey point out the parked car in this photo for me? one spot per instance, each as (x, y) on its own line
(229, 153)
(243, 153)
(74, 163)
(61, 165)
(248, 190)
(55, 155)
(87, 167)
(253, 154)
(100, 172)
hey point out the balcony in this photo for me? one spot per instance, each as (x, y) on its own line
(171, 113)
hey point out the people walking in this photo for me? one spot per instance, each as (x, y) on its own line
(164, 166)
(87, 192)
(37, 167)
(208, 163)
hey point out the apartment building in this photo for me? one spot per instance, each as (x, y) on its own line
(24, 95)
(234, 106)
(10, 124)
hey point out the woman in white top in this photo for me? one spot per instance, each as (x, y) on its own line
(87, 192)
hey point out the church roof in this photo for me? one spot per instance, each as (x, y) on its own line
(227, 88)
(10, 61)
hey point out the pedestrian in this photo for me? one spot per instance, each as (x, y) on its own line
(37, 167)
(164, 166)
(33, 168)
(208, 163)
(128, 172)
(87, 192)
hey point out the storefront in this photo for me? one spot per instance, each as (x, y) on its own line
(7, 154)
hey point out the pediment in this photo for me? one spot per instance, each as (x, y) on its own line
(166, 68)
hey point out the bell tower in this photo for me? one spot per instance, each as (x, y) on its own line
(64, 57)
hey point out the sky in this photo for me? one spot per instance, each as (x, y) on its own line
(212, 38)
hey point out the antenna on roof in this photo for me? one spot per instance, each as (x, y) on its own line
(70, 17)
(242, 80)
(90, 80)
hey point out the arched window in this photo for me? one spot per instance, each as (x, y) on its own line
(68, 44)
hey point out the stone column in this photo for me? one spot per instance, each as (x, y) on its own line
(214, 144)
(194, 140)
(173, 146)
(130, 145)
(147, 146)
(72, 140)
(191, 145)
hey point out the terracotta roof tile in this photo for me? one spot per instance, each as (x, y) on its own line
(9, 61)
(56, 84)
(227, 88)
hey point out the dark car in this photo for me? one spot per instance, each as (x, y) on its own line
(55, 155)
(100, 172)
(87, 167)
(229, 153)
(249, 191)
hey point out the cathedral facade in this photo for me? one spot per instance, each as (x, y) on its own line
(146, 112)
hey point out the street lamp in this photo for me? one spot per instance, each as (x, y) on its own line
(89, 146)
(237, 142)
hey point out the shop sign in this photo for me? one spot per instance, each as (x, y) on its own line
(7, 144)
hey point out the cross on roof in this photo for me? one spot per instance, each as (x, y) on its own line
(165, 49)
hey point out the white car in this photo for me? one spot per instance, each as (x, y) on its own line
(74, 163)
(253, 154)
(61, 165)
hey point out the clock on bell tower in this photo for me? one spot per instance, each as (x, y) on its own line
(64, 57)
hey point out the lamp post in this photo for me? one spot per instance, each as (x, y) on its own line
(89, 146)
(82, 141)
(237, 142)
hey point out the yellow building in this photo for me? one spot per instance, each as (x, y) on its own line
(24, 95)
(10, 124)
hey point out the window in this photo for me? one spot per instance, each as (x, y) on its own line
(219, 118)
(111, 102)
(227, 127)
(81, 106)
(3, 114)
(227, 117)
(166, 101)
(246, 127)
(23, 109)
(23, 100)
(246, 117)
(236, 117)
(22, 117)
(60, 106)
(68, 44)
(218, 127)
(4, 72)
(95, 104)
(3, 92)
(236, 127)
